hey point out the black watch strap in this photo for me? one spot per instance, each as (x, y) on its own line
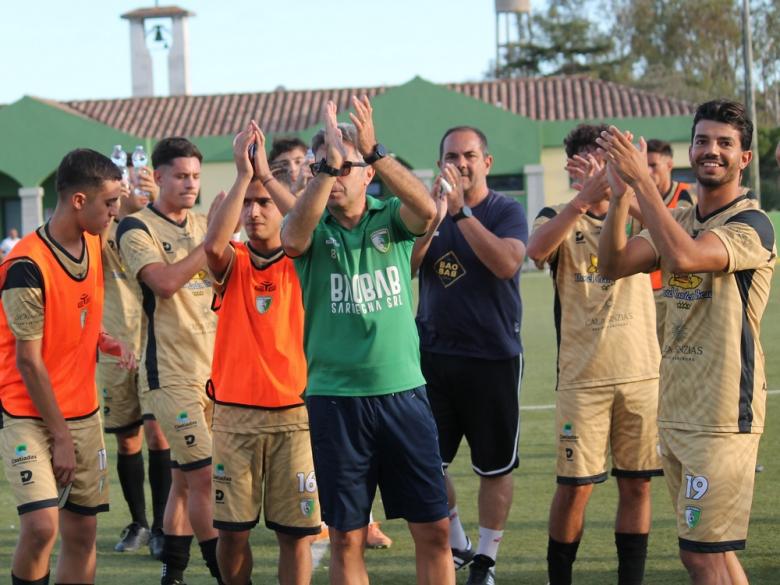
(377, 153)
(464, 212)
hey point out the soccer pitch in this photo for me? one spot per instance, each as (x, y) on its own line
(522, 554)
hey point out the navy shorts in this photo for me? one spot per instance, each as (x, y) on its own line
(389, 441)
(478, 399)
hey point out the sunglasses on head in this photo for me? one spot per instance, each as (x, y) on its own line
(346, 167)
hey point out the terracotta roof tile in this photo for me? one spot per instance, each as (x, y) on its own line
(545, 98)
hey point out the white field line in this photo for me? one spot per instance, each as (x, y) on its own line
(532, 407)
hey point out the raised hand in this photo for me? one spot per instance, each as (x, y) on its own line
(629, 162)
(455, 196)
(582, 168)
(439, 196)
(217, 202)
(616, 184)
(241, 144)
(261, 167)
(363, 120)
(336, 153)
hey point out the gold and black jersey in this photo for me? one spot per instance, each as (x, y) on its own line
(179, 336)
(122, 314)
(23, 291)
(712, 366)
(605, 329)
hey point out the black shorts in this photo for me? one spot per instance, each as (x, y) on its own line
(478, 399)
(389, 441)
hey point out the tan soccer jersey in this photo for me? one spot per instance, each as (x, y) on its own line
(712, 366)
(22, 290)
(122, 315)
(179, 336)
(606, 329)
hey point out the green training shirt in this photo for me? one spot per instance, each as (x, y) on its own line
(359, 332)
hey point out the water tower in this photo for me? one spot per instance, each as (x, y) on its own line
(513, 31)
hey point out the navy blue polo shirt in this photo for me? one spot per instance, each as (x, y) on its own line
(464, 308)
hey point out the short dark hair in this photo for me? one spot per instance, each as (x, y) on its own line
(282, 144)
(583, 136)
(84, 169)
(483, 143)
(728, 112)
(659, 147)
(176, 147)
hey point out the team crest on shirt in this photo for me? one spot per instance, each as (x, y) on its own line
(692, 516)
(262, 304)
(449, 269)
(307, 507)
(381, 240)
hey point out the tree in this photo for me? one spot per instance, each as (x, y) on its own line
(563, 41)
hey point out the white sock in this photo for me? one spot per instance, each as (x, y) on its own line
(458, 538)
(370, 517)
(489, 541)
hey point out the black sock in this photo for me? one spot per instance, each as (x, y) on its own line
(17, 581)
(560, 558)
(130, 469)
(632, 552)
(160, 482)
(208, 548)
(175, 557)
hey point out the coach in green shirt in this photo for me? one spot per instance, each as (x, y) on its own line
(370, 420)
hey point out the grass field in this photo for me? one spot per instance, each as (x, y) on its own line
(522, 555)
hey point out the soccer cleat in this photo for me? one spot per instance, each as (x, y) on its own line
(133, 537)
(156, 541)
(482, 571)
(461, 558)
(375, 538)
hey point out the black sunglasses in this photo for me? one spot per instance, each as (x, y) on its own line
(346, 167)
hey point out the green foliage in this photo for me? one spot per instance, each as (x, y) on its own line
(768, 140)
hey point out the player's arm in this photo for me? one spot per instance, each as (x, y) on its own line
(281, 195)
(110, 345)
(503, 256)
(226, 216)
(679, 252)
(422, 243)
(619, 256)
(417, 208)
(29, 362)
(140, 254)
(306, 213)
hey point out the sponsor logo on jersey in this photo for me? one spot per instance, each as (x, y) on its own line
(367, 292)
(266, 286)
(199, 283)
(592, 275)
(692, 516)
(220, 475)
(167, 247)
(449, 269)
(307, 507)
(262, 304)
(381, 240)
(183, 421)
(26, 476)
(21, 455)
(579, 237)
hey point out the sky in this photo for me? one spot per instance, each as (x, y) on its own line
(80, 49)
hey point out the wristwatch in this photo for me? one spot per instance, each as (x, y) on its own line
(464, 212)
(324, 167)
(378, 152)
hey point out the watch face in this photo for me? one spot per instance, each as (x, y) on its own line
(467, 211)
(380, 150)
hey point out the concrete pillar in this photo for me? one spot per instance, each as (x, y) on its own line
(178, 58)
(534, 189)
(140, 60)
(32, 208)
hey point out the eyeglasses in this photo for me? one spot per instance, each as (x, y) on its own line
(346, 167)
